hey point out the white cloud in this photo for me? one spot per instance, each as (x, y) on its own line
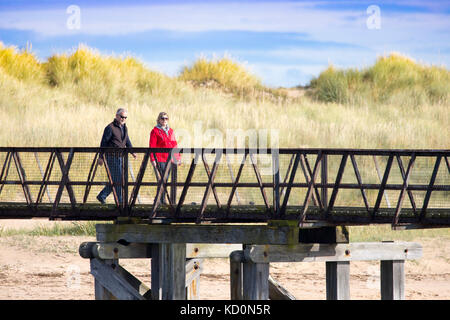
(325, 24)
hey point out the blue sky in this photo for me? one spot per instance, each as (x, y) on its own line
(285, 43)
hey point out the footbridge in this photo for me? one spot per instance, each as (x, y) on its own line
(312, 187)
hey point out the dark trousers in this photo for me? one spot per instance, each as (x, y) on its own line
(115, 167)
(173, 171)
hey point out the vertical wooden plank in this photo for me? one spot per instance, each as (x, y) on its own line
(174, 271)
(392, 279)
(338, 280)
(236, 277)
(255, 281)
(156, 271)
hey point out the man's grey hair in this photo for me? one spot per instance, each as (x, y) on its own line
(120, 110)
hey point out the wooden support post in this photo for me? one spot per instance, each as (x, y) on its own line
(168, 271)
(156, 272)
(236, 258)
(338, 280)
(255, 281)
(392, 279)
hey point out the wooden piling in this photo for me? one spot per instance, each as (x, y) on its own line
(392, 279)
(338, 280)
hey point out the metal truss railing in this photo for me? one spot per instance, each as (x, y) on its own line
(302, 185)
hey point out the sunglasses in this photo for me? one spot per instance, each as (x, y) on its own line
(164, 118)
(123, 117)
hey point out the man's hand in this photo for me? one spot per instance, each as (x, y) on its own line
(134, 155)
(100, 161)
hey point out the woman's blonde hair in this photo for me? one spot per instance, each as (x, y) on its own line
(161, 114)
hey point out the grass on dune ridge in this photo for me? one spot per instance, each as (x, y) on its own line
(68, 99)
(394, 79)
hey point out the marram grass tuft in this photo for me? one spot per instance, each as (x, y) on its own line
(394, 79)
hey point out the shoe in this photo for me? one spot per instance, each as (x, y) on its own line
(101, 200)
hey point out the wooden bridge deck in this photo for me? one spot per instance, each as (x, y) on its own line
(436, 217)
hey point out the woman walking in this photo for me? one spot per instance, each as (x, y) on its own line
(162, 136)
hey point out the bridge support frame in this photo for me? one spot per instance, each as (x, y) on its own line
(337, 258)
(176, 266)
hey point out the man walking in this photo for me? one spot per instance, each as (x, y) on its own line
(115, 135)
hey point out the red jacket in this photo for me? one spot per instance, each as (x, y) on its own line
(159, 139)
